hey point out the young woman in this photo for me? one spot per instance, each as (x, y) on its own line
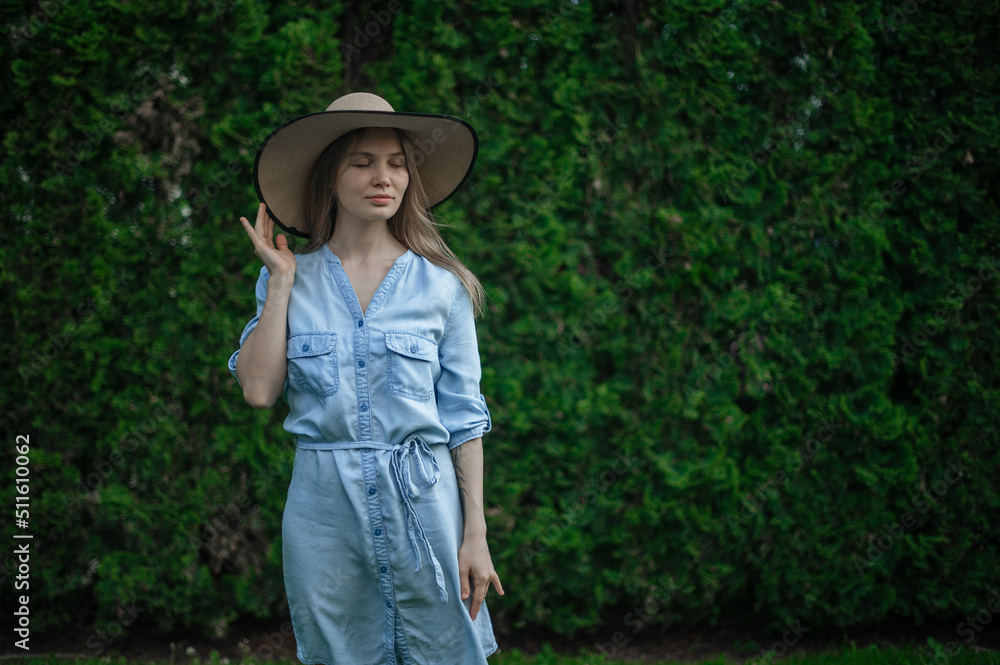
(369, 334)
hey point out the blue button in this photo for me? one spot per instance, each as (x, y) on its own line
(378, 532)
(361, 363)
(360, 323)
(413, 349)
(305, 347)
(371, 490)
(383, 569)
(388, 604)
(364, 407)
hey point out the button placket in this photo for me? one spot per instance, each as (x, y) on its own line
(378, 532)
(362, 346)
(363, 384)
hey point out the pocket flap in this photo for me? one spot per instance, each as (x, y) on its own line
(411, 346)
(303, 345)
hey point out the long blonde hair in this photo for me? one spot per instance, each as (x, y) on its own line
(413, 225)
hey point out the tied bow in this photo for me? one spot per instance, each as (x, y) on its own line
(423, 458)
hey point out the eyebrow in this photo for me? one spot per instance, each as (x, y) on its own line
(360, 153)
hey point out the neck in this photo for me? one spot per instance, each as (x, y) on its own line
(364, 242)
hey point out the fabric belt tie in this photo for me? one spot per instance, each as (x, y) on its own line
(400, 463)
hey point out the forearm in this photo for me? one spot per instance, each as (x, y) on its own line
(468, 461)
(262, 363)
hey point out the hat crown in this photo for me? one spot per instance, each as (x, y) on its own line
(360, 101)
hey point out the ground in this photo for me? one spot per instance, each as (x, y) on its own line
(272, 640)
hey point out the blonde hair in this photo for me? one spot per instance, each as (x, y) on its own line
(413, 225)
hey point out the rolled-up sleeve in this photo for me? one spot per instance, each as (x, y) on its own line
(261, 293)
(461, 407)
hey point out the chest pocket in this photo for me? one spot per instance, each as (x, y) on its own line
(410, 366)
(312, 363)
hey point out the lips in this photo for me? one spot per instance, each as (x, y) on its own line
(381, 198)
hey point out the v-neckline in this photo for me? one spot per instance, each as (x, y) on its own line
(384, 283)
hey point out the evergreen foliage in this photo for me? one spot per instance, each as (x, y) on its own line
(741, 342)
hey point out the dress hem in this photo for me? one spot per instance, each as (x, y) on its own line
(486, 654)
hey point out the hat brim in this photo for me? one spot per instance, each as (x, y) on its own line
(447, 148)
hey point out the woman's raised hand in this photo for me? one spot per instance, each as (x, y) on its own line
(280, 260)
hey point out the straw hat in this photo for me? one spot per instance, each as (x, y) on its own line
(446, 150)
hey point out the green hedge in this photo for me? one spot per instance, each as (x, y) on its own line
(740, 347)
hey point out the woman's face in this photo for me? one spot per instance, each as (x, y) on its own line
(372, 178)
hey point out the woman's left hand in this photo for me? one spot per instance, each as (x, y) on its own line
(475, 564)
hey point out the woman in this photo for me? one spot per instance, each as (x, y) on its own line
(369, 334)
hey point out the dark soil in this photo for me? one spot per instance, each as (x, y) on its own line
(272, 640)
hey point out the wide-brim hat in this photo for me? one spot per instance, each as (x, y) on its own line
(446, 151)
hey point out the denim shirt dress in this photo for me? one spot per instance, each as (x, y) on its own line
(373, 522)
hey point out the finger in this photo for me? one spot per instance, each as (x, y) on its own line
(268, 222)
(479, 594)
(496, 584)
(474, 608)
(464, 576)
(281, 242)
(261, 226)
(254, 238)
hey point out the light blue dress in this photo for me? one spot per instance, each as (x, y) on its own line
(373, 524)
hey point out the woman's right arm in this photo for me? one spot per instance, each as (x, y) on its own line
(262, 363)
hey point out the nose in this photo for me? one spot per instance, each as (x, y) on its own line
(381, 175)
